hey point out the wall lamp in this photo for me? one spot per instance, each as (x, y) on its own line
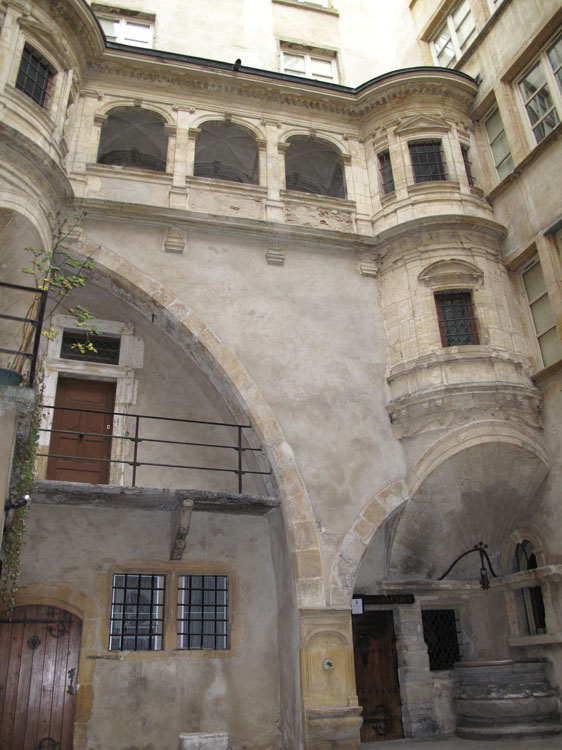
(15, 504)
(484, 558)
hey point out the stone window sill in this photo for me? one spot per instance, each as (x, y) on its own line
(307, 6)
(535, 640)
(547, 372)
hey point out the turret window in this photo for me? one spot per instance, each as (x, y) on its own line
(457, 321)
(428, 163)
(385, 173)
(35, 76)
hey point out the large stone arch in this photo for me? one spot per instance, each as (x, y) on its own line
(225, 371)
(391, 498)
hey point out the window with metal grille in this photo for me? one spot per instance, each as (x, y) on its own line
(440, 632)
(385, 173)
(35, 76)
(137, 612)
(457, 322)
(533, 602)
(467, 164)
(90, 348)
(202, 614)
(428, 163)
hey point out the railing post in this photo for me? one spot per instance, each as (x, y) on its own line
(39, 326)
(135, 451)
(239, 460)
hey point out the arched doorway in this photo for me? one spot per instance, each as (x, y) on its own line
(39, 649)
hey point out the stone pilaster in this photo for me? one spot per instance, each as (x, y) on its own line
(332, 716)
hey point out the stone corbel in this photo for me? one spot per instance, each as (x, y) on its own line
(274, 253)
(181, 519)
(368, 265)
(174, 242)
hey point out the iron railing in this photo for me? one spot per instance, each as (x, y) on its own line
(138, 440)
(36, 322)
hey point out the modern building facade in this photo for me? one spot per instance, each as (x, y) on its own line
(327, 239)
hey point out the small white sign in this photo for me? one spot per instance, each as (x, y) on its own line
(357, 606)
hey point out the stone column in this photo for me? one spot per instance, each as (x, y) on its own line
(332, 716)
(416, 687)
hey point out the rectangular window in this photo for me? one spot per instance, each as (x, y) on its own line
(385, 173)
(541, 310)
(202, 614)
(541, 88)
(440, 633)
(309, 66)
(137, 612)
(428, 163)
(457, 322)
(454, 36)
(35, 76)
(499, 145)
(135, 33)
(90, 348)
(467, 164)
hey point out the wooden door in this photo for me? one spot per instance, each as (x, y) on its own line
(81, 440)
(39, 648)
(376, 672)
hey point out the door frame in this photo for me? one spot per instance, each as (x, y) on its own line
(123, 375)
(392, 610)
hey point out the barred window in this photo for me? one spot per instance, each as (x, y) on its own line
(90, 348)
(137, 612)
(457, 322)
(428, 163)
(440, 633)
(202, 614)
(385, 173)
(35, 76)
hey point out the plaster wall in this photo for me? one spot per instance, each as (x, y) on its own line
(370, 37)
(174, 691)
(165, 383)
(277, 320)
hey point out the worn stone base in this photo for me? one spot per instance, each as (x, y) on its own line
(505, 699)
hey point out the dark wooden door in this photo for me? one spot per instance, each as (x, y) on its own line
(39, 648)
(82, 437)
(376, 672)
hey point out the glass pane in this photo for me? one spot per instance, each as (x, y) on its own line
(294, 64)
(500, 148)
(534, 282)
(109, 27)
(321, 68)
(533, 81)
(551, 346)
(555, 57)
(546, 125)
(137, 33)
(539, 105)
(494, 125)
(505, 167)
(542, 314)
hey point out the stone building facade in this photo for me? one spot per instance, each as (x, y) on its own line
(329, 233)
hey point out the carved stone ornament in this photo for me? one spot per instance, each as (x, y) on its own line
(451, 274)
(274, 254)
(422, 124)
(368, 265)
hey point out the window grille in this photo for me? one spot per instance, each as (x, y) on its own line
(202, 615)
(457, 322)
(385, 172)
(76, 346)
(440, 632)
(427, 161)
(35, 76)
(137, 612)
(467, 164)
